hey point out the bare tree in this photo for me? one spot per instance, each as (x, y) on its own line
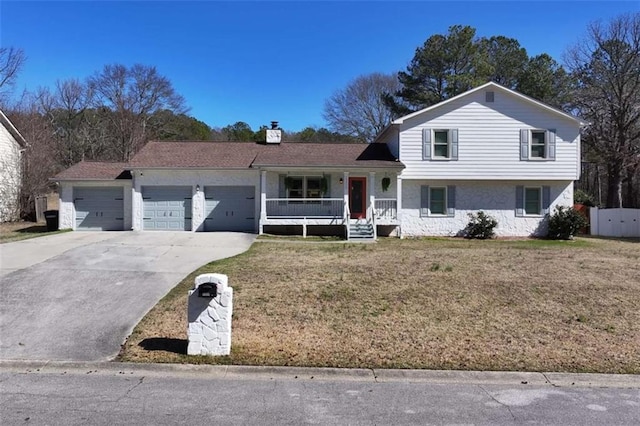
(133, 95)
(607, 94)
(359, 109)
(40, 161)
(11, 62)
(76, 128)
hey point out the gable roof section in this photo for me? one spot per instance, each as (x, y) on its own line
(12, 129)
(93, 170)
(303, 154)
(214, 155)
(497, 86)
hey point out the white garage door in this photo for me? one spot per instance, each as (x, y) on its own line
(99, 208)
(229, 208)
(166, 208)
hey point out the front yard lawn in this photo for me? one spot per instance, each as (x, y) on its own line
(432, 303)
(17, 231)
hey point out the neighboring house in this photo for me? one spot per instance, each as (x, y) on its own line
(12, 145)
(488, 149)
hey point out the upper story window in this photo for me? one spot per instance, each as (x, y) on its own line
(439, 144)
(536, 144)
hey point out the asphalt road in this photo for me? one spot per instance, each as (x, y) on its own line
(77, 296)
(114, 394)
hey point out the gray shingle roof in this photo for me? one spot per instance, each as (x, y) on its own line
(93, 170)
(238, 155)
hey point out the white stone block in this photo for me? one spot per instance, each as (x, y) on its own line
(194, 347)
(195, 328)
(226, 297)
(213, 313)
(220, 280)
(209, 333)
(225, 339)
(206, 320)
(222, 326)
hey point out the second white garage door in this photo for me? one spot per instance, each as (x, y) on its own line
(167, 208)
(229, 208)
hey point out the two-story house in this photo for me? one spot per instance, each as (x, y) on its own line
(488, 149)
(12, 145)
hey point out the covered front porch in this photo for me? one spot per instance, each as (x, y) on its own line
(356, 202)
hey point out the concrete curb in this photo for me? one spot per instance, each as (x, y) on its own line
(239, 372)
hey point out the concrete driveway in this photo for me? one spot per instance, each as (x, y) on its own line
(76, 296)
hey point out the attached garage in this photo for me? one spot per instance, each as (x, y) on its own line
(229, 208)
(167, 208)
(99, 208)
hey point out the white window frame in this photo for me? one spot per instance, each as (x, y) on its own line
(524, 201)
(545, 147)
(446, 207)
(304, 187)
(433, 144)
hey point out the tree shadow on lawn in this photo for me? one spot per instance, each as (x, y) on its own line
(177, 346)
(36, 229)
(621, 239)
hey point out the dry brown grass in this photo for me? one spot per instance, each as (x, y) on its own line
(16, 231)
(437, 304)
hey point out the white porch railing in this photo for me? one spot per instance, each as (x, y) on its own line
(281, 208)
(386, 208)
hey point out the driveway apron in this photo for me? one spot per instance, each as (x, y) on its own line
(77, 296)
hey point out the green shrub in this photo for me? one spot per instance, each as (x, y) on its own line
(581, 197)
(480, 226)
(565, 223)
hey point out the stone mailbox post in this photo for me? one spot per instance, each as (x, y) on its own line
(209, 315)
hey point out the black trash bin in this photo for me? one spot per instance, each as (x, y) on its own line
(51, 217)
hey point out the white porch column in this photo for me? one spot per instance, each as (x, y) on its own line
(399, 204)
(372, 192)
(263, 200)
(345, 188)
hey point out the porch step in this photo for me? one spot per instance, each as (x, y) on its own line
(361, 232)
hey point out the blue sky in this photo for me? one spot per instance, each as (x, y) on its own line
(262, 60)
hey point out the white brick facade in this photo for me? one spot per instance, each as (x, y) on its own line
(67, 211)
(497, 198)
(191, 178)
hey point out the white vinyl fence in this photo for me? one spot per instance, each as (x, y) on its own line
(615, 222)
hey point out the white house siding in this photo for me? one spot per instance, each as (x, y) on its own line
(9, 175)
(496, 198)
(192, 178)
(67, 211)
(391, 138)
(489, 140)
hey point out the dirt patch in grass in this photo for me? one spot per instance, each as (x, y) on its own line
(436, 304)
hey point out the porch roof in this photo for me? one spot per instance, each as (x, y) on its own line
(94, 170)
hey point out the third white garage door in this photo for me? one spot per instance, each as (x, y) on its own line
(229, 208)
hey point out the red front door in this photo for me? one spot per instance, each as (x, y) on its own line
(357, 197)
